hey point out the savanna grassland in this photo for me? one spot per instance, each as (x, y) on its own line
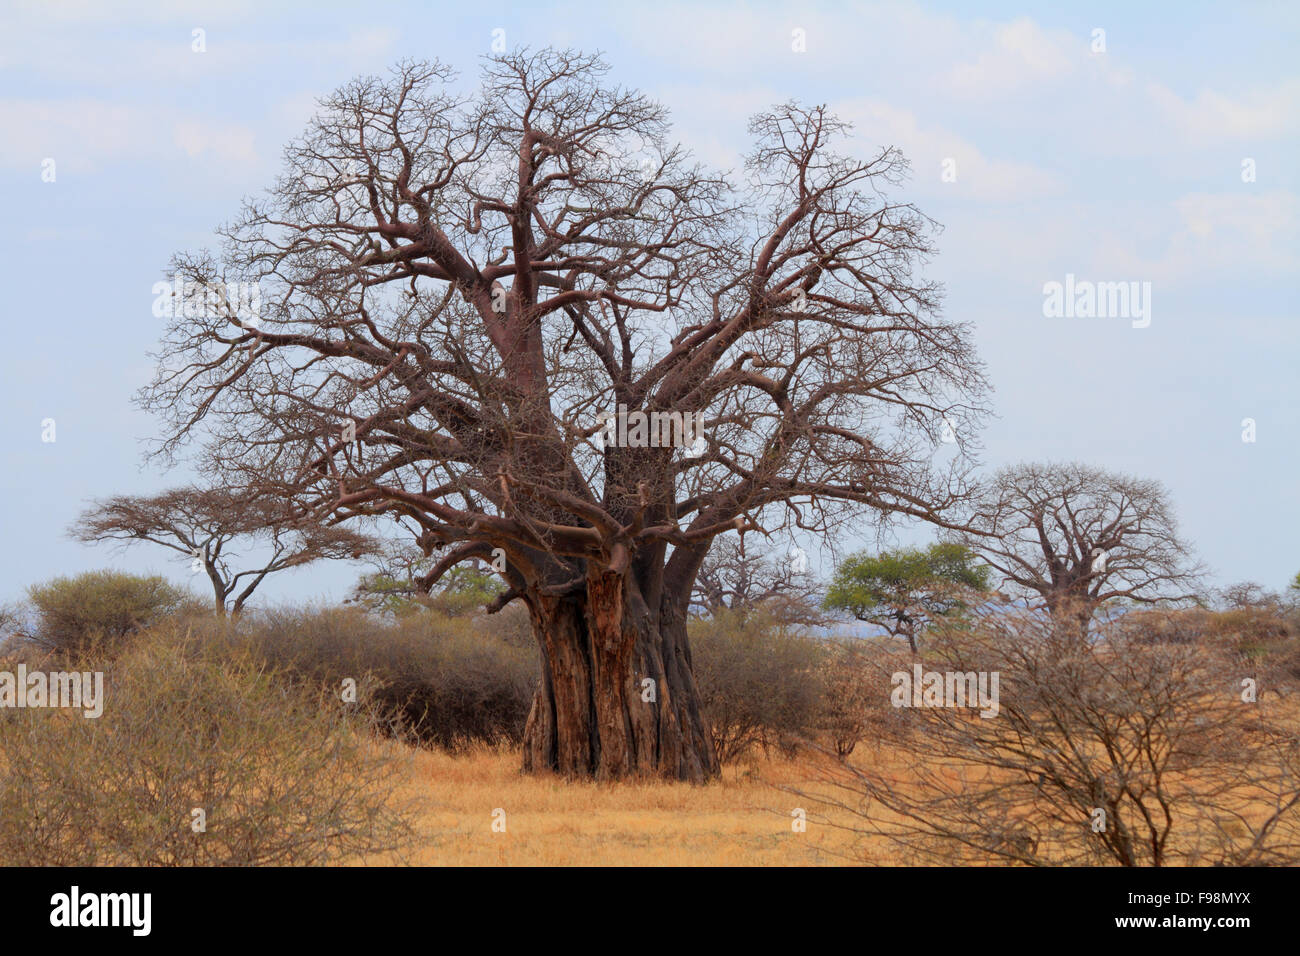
(739, 820)
(335, 736)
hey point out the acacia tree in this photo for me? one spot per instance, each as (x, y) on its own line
(400, 585)
(457, 289)
(903, 591)
(214, 528)
(1075, 537)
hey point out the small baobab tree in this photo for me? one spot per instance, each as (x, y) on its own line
(527, 322)
(1074, 537)
(215, 529)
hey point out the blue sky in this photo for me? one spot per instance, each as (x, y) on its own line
(1117, 165)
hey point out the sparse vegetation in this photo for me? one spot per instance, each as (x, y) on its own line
(761, 683)
(281, 772)
(1136, 753)
(246, 718)
(451, 683)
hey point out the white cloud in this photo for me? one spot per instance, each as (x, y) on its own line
(135, 12)
(711, 120)
(1255, 230)
(1194, 239)
(1016, 56)
(226, 142)
(66, 43)
(1213, 117)
(75, 133)
(80, 134)
(928, 146)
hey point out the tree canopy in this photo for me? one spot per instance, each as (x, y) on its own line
(1073, 537)
(460, 292)
(236, 538)
(904, 590)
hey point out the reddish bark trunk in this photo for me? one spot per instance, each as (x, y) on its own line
(594, 715)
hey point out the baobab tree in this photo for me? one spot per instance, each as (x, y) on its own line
(1074, 537)
(740, 576)
(215, 528)
(530, 325)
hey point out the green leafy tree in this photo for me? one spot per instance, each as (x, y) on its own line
(401, 587)
(902, 591)
(464, 590)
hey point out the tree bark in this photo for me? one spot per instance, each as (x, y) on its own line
(617, 696)
(218, 588)
(1071, 617)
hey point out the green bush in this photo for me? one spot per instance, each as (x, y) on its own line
(99, 609)
(462, 592)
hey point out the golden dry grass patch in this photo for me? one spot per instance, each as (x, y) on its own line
(743, 819)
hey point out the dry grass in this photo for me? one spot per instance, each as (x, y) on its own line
(742, 820)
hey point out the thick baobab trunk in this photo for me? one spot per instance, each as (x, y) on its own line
(617, 697)
(1071, 617)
